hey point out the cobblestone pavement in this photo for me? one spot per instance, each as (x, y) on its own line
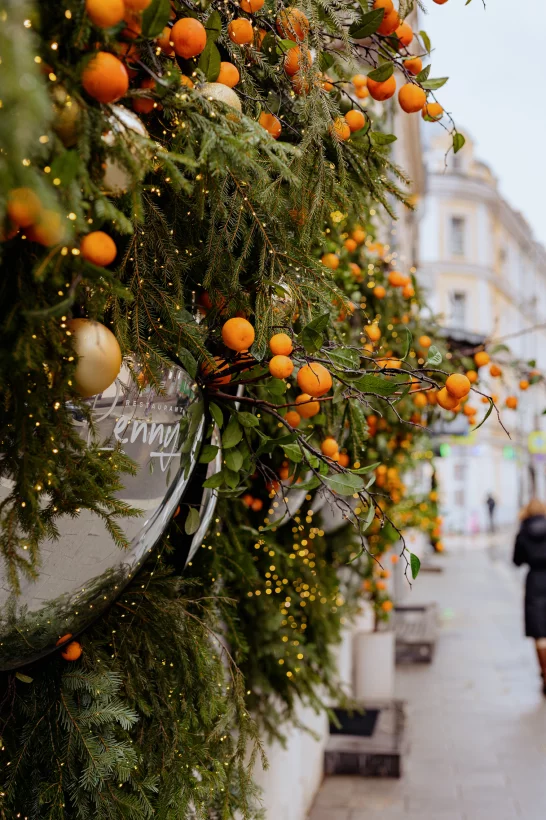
(476, 716)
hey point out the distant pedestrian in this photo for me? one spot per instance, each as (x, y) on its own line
(530, 549)
(491, 504)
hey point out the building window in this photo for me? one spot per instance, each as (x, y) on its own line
(459, 471)
(458, 309)
(459, 498)
(457, 232)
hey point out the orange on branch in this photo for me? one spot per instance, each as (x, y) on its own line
(355, 119)
(329, 447)
(330, 260)
(281, 367)
(359, 235)
(414, 65)
(424, 342)
(404, 32)
(524, 384)
(292, 24)
(379, 292)
(188, 37)
(468, 410)
(143, 105)
(361, 93)
(105, 78)
(292, 418)
(412, 98)
(512, 402)
(257, 505)
(314, 379)
(387, 5)
(251, 6)
(446, 400)
(229, 75)
(137, 5)
(408, 291)
(187, 81)
(247, 499)
(420, 400)
(271, 124)
(216, 371)
(340, 128)
(458, 385)
(238, 334)
(72, 651)
(281, 344)
(295, 59)
(359, 80)
(105, 13)
(432, 111)
(350, 245)
(382, 90)
(99, 248)
(306, 407)
(23, 207)
(389, 23)
(373, 332)
(356, 270)
(343, 460)
(398, 279)
(472, 376)
(495, 371)
(164, 42)
(481, 358)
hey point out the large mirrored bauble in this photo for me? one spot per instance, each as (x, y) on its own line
(83, 570)
(208, 499)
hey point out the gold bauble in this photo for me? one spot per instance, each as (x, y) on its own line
(99, 356)
(67, 117)
(220, 93)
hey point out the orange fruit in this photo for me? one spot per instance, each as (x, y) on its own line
(412, 98)
(216, 371)
(281, 367)
(240, 31)
(257, 505)
(433, 111)
(295, 59)
(72, 651)
(468, 410)
(414, 65)
(340, 127)
(394, 559)
(511, 402)
(472, 376)
(361, 92)
(446, 400)
(326, 83)
(292, 418)
(238, 334)
(404, 32)
(49, 230)
(300, 84)
(432, 397)
(389, 23)
(329, 446)
(105, 78)
(458, 385)
(143, 105)
(359, 235)
(481, 358)
(251, 6)
(343, 460)
(247, 499)
(356, 270)
(424, 341)
(420, 400)
(164, 42)
(524, 384)
(105, 13)
(408, 291)
(64, 638)
(484, 400)
(23, 207)
(373, 332)
(229, 75)
(495, 370)
(307, 408)
(330, 260)
(355, 119)
(184, 80)
(99, 248)
(382, 91)
(398, 279)
(384, 4)
(271, 124)
(281, 344)
(379, 292)
(137, 5)
(188, 37)
(359, 81)
(313, 378)
(292, 24)
(350, 245)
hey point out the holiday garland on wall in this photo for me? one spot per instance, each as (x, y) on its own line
(188, 188)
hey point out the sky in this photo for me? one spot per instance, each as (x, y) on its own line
(494, 58)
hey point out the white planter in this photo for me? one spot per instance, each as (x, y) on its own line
(374, 664)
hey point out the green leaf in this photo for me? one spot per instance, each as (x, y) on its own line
(382, 73)
(234, 460)
(415, 565)
(489, 411)
(426, 40)
(311, 339)
(326, 61)
(458, 141)
(409, 340)
(23, 678)
(367, 24)
(378, 138)
(232, 435)
(269, 48)
(312, 484)
(188, 361)
(248, 419)
(423, 75)
(433, 85)
(214, 481)
(284, 45)
(216, 413)
(377, 384)
(208, 453)
(191, 524)
(209, 61)
(434, 356)
(345, 358)
(65, 167)
(230, 477)
(276, 387)
(155, 18)
(213, 26)
(501, 348)
(344, 483)
(320, 323)
(362, 470)
(293, 452)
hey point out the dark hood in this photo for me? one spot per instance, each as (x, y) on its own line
(535, 527)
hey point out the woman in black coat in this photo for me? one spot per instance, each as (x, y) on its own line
(530, 549)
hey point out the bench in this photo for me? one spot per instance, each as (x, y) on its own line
(416, 629)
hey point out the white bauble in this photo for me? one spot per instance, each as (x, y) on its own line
(220, 93)
(116, 179)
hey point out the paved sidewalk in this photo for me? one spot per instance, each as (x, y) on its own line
(477, 717)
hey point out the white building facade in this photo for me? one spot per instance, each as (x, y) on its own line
(486, 277)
